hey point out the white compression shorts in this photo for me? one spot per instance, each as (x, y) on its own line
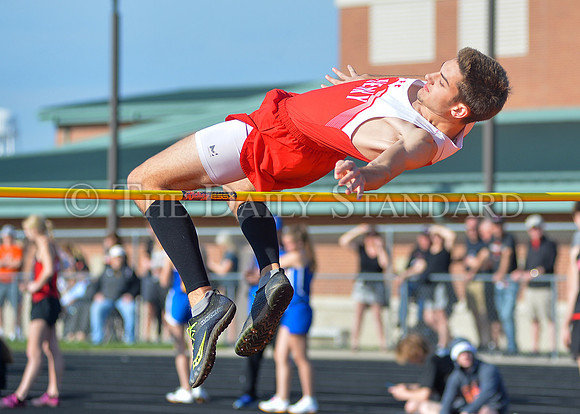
(219, 147)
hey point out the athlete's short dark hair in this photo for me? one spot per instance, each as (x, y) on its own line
(485, 86)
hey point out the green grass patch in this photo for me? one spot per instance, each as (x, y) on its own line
(20, 346)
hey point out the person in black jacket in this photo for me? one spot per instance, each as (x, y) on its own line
(474, 386)
(116, 288)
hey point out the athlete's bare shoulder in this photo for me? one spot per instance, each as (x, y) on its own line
(379, 134)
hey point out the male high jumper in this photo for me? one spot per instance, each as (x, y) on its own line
(394, 124)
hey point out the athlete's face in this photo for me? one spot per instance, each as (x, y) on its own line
(440, 90)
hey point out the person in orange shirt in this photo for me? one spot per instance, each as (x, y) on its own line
(10, 265)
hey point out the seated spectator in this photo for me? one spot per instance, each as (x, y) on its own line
(474, 386)
(422, 396)
(152, 294)
(76, 306)
(116, 288)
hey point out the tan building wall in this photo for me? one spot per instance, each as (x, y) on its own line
(77, 133)
(539, 79)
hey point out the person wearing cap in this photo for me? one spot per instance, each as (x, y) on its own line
(10, 265)
(474, 386)
(117, 288)
(538, 274)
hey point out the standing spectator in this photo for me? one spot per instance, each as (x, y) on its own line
(43, 316)
(369, 288)
(249, 397)
(571, 328)
(152, 293)
(439, 295)
(10, 265)
(486, 236)
(227, 264)
(177, 313)
(538, 273)
(503, 261)
(475, 257)
(474, 386)
(116, 288)
(423, 396)
(300, 262)
(416, 266)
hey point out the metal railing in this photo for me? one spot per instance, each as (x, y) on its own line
(234, 286)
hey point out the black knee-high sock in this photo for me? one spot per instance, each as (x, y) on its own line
(175, 230)
(259, 227)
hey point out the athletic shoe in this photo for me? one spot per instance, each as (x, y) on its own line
(274, 405)
(45, 400)
(11, 401)
(245, 401)
(200, 395)
(271, 301)
(180, 395)
(204, 330)
(306, 405)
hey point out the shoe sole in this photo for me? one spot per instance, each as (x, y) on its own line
(255, 337)
(179, 402)
(209, 358)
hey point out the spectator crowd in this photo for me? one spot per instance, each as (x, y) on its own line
(497, 274)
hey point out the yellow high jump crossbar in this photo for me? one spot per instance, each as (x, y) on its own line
(88, 193)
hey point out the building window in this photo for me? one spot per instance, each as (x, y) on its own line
(402, 31)
(511, 26)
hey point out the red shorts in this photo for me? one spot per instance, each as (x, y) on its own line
(276, 155)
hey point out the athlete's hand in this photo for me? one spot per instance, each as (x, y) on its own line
(350, 176)
(343, 77)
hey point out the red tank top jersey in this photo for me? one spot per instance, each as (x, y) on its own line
(49, 289)
(297, 138)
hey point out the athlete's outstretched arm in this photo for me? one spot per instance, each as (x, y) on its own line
(408, 153)
(352, 76)
(342, 77)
